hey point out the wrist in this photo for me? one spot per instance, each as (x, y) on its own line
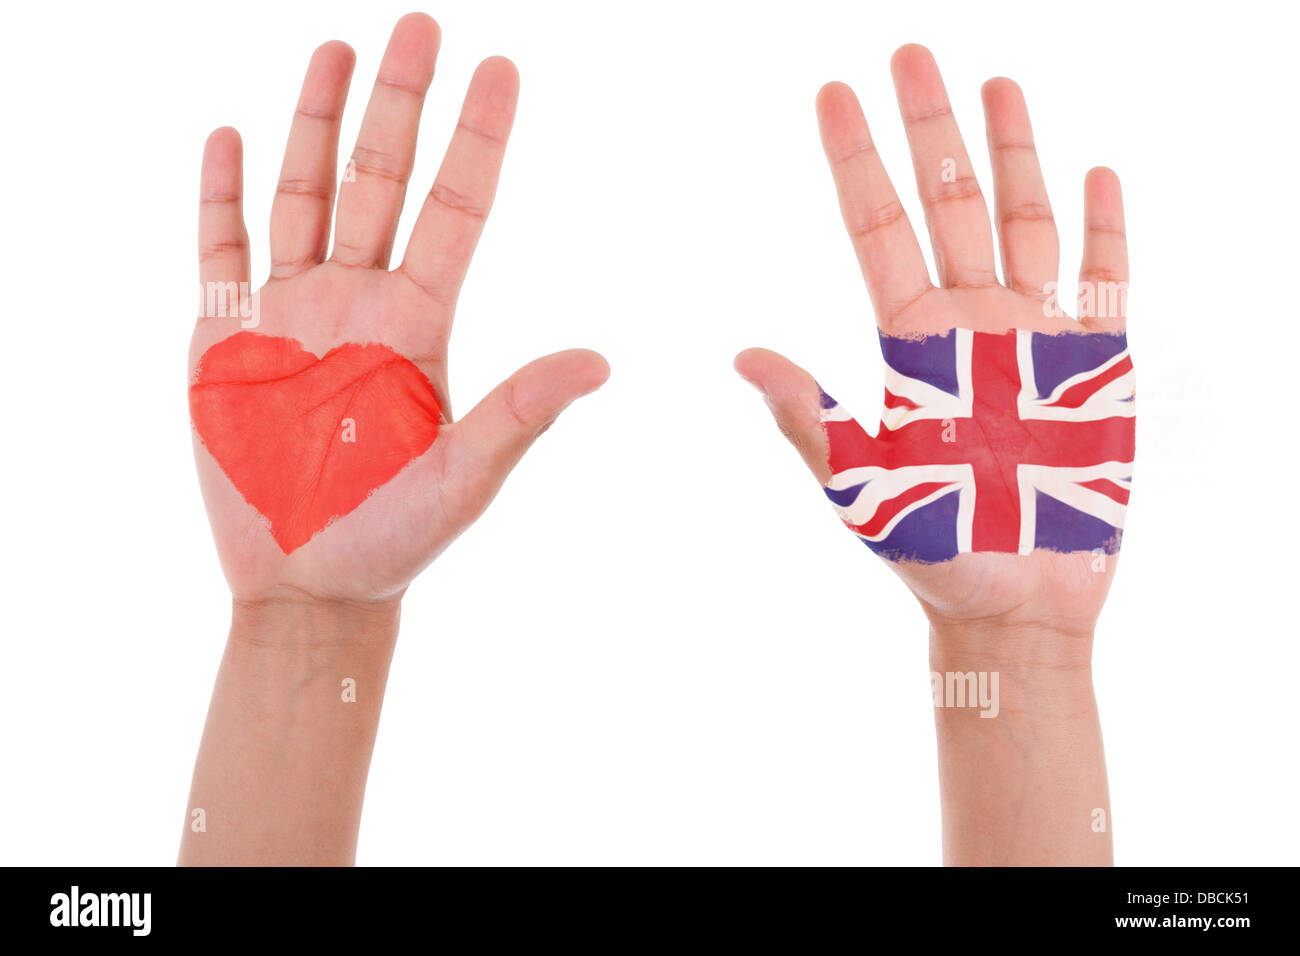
(296, 623)
(1035, 668)
(281, 772)
(289, 648)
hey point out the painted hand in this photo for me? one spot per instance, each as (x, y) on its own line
(997, 483)
(330, 463)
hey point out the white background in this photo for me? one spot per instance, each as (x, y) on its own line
(659, 645)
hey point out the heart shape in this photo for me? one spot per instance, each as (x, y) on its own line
(305, 440)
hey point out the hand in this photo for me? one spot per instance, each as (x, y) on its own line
(1060, 590)
(290, 445)
(331, 466)
(1011, 602)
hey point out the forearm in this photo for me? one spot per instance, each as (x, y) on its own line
(281, 770)
(1025, 785)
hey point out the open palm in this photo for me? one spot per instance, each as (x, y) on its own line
(374, 550)
(1064, 590)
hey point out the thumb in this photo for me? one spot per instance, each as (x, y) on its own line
(821, 430)
(832, 443)
(490, 439)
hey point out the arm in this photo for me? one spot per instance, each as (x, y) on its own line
(332, 469)
(281, 771)
(997, 482)
(1024, 787)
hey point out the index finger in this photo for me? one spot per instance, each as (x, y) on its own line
(882, 236)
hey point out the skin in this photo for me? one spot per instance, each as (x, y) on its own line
(281, 770)
(1021, 788)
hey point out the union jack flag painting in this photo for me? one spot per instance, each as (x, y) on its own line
(990, 442)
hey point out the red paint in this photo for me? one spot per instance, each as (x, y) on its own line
(888, 509)
(272, 415)
(1108, 488)
(994, 441)
(1076, 396)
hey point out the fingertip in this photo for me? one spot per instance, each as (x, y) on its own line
(794, 399)
(909, 57)
(412, 49)
(780, 380)
(337, 53)
(493, 94)
(500, 68)
(594, 368)
(833, 92)
(838, 104)
(221, 172)
(560, 377)
(746, 355)
(918, 84)
(325, 87)
(1000, 90)
(223, 140)
(1103, 200)
(419, 26)
(750, 363)
(1101, 179)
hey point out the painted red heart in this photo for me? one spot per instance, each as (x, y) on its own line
(276, 419)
